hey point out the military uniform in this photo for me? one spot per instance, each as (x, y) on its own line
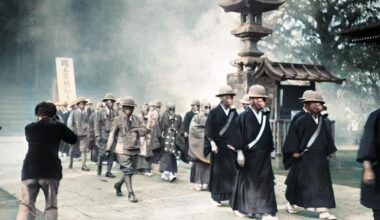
(103, 123)
(128, 131)
(79, 124)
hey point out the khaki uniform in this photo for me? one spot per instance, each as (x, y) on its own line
(80, 126)
(128, 143)
(102, 126)
(79, 123)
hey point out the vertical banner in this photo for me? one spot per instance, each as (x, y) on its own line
(65, 79)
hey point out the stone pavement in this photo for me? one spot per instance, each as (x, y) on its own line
(83, 195)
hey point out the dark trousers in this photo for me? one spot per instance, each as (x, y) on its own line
(376, 214)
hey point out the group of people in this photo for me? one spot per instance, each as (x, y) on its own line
(229, 150)
(113, 131)
(241, 143)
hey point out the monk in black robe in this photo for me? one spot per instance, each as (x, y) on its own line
(221, 130)
(309, 141)
(253, 191)
(369, 155)
(288, 157)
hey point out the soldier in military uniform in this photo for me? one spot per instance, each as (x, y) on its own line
(91, 134)
(103, 123)
(78, 123)
(128, 128)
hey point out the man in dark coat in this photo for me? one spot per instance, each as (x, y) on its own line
(42, 167)
(221, 129)
(253, 191)
(309, 141)
(369, 154)
(288, 158)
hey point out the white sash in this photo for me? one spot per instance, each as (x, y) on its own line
(314, 136)
(254, 142)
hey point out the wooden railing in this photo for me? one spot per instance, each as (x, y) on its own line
(280, 128)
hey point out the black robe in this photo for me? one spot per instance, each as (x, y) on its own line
(185, 128)
(254, 186)
(223, 169)
(309, 182)
(369, 150)
(287, 152)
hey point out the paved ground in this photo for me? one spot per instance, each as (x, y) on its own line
(83, 195)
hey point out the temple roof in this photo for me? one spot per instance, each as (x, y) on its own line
(255, 6)
(292, 71)
(364, 33)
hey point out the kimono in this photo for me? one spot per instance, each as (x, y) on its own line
(309, 182)
(201, 168)
(288, 157)
(253, 191)
(169, 126)
(369, 151)
(221, 128)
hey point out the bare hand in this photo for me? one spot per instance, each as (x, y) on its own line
(214, 148)
(296, 155)
(368, 176)
(240, 158)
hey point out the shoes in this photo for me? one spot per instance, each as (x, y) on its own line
(204, 186)
(291, 209)
(110, 175)
(239, 214)
(132, 197)
(148, 174)
(327, 215)
(198, 187)
(172, 178)
(269, 217)
(215, 203)
(117, 187)
(165, 177)
(85, 168)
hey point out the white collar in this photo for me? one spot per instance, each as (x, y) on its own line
(108, 110)
(316, 119)
(225, 110)
(258, 115)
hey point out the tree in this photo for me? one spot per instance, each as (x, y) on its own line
(308, 31)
